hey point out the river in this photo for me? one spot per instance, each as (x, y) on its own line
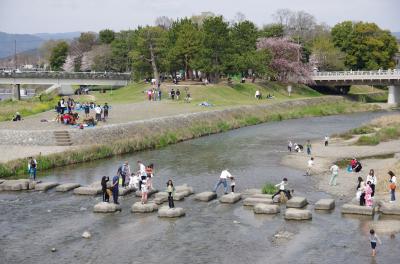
(32, 222)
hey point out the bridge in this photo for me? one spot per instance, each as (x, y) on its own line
(390, 78)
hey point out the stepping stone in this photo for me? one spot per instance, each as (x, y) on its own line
(325, 204)
(356, 209)
(296, 202)
(266, 209)
(160, 200)
(16, 185)
(161, 195)
(205, 196)
(44, 186)
(251, 192)
(250, 201)
(104, 207)
(187, 190)
(149, 193)
(297, 214)
(93, 189)
(149, 207)
(389, 208)
(125, 190)
(167, 212)
(179, 196)
(261, 195)
(66, 187)
(230, 198)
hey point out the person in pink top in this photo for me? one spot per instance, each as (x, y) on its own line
(368, 194)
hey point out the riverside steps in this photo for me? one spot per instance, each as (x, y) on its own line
(357, 209)
(387, 208)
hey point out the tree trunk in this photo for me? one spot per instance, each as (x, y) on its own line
(153, 62)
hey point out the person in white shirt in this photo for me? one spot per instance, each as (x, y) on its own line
(222, 180)
(335, 171)
(372, 178)
(134, 181)
(258, 95)
(98, 110)
(326, 141)
(290, 145)
(281, 186)
(310, 164)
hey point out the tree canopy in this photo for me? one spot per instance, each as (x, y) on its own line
(58, 55)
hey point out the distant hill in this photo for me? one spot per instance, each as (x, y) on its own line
(28, 41)
(396, 34)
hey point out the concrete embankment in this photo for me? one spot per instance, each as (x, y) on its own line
(133, 136)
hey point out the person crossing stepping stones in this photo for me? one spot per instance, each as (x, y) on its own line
(223, 180)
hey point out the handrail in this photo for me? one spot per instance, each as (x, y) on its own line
(394, 72)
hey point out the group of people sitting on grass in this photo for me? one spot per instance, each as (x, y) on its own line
(258, 95)
(141, 180)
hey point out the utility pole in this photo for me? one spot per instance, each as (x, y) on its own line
(15, 54)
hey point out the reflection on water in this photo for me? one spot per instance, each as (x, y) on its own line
(32, 223)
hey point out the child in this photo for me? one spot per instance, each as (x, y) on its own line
(171, 193)
(233, 184)
(144, 190)
(310, 164)
(373, 238)
(282, 189)
(368, 194)
(133, 181)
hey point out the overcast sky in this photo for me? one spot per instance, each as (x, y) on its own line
(34, 16)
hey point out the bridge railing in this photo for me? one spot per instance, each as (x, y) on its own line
(393, 72)
(66, 75)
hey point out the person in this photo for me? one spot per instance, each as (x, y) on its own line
(290, 145)
(172, 94)
(144, 190)
(360, 194)
(392, 186)
(115, 189)
(308, 147)
(32, 165)
(150, 174)
(97, 110)
(310, 164)
(178, 93)
(159, 94)
(281, 186)
(149, 94)
(124, 171)
(373, 238)
(17, 117)
(258, 94)
(133, 181)
(326, 141)
(357, 167)
(171, 193)
(233, 184)
(335, 171)
(297, 147)
(372, 178)
(104, 180)
(62, 105)
(188, 98)
(105, 111)
(142, 173)
(87, 109)
(222, 180)
(368, 192)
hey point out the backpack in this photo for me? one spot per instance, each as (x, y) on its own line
(392, 186)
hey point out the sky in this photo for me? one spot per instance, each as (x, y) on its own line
(54, 16)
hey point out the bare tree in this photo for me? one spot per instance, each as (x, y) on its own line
(239, 17)
(164, 22)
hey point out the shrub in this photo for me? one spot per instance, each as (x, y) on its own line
(363, 130)
(368, 140)
(269, 188)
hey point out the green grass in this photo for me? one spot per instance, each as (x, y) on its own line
(269, 188)
(363, 130)
(384, 134)
(32, 106)
(371, 140)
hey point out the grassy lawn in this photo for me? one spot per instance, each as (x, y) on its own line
(8, 108)
(218, 95)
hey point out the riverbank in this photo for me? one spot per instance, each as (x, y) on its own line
(381, 157)
(160, 132)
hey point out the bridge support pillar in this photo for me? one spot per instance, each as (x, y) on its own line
(394, 95)
(16, 92)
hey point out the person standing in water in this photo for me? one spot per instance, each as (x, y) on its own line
(171, 193)
(335, 171)
(373, 238)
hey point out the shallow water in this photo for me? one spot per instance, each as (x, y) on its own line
(32, 222)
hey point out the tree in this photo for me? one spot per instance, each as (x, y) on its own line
(149, 49)
(58, 56)
(215, 46)
(86, 41)
(184, 44)
(367, 47)
(164, 22)
(199, 19)
(325, 55)
(284, 64)
(106, 36)
(102, 58)
(272, 31)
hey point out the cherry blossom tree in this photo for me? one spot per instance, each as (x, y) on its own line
(286, 64)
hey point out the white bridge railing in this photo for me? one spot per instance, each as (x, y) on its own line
(357, 75)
